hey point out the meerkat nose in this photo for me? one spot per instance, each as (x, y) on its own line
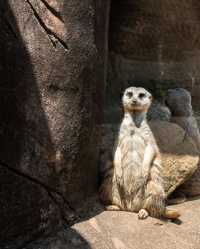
(134, 101)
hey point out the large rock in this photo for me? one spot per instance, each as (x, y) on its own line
(179, 101)
(158, 111)
(27, 210)
(53, 56)
(191, 188)
(179, 154)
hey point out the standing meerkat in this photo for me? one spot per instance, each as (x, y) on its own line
(133, 181)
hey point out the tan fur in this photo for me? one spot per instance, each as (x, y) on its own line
(134, 181)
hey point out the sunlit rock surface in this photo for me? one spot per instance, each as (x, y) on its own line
(123, 230)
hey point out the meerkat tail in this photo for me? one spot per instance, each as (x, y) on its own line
(177, 200)
(171, 214)
(112, 208)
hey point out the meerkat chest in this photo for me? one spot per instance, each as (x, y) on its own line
(133, 141)
(130, 133)
(129, 155)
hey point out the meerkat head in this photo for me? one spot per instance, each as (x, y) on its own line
(136, 99)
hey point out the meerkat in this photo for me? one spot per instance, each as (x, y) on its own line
(134, 180)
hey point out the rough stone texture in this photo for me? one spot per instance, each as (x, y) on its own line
(27, 210)
(155, 41)
(53, 56)
(123, 230)
(179, 102)
(109, 133)
(191, 187)
(179, 154)
(158, 111)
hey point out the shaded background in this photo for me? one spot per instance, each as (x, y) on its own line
(52, 65)
(154, 44)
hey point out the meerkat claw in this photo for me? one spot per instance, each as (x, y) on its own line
(143, 214)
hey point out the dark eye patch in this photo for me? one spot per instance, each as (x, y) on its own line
(129, 94)
(142, 95)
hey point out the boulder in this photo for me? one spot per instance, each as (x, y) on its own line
(27, 209)
(158, 111)
(53, 61)
(191, 188)
(179, 154)
(180, 103)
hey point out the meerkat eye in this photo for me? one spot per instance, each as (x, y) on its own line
(142, 95)
(129, 94)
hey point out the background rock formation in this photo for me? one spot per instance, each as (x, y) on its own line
(180, 156)
(53, 56)
(179, 102)
(154, 44)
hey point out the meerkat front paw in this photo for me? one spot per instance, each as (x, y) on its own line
(143, 214)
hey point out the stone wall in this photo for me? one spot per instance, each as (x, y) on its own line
(155, 44)
(52, 66)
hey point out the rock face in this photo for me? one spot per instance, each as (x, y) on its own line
(179, 154)
(53, 56)
(155, 42)
(179, 102)
(158, 111)
(27, 210)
